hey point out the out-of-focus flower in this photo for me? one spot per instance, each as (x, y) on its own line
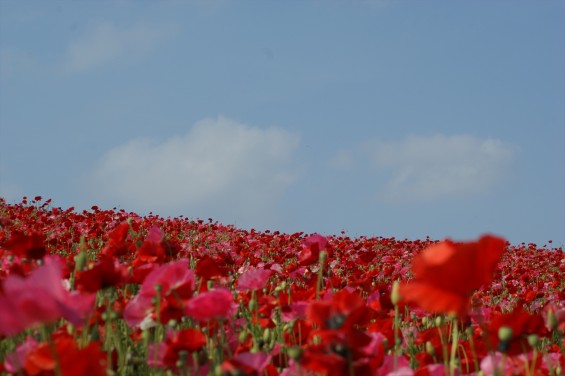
(253, 279)
(108, 272)
(31, 246)
(16, 361)
(447, 273)
(172, 283)
(89, 360)
(210, 305)
(247, 363)
(519, 324)
(168, 352)
(39, 298)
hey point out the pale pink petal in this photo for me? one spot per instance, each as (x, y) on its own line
(258, 361)
(137, 310)
(155, 234)
(253, 279)
(16, 360)
(215, 304)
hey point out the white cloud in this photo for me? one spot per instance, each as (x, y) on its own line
(107, 43)
(429, 168)
(220, 168)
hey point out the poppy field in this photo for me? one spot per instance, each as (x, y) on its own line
(108, 292)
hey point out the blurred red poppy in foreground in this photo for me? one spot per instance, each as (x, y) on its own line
(89, 360)
(447, 273)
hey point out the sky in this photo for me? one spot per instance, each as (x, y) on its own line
(388, 118)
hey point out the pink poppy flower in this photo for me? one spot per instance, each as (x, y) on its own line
(16, 361)
(215, 304)
(248, 363)
(253, 279)
(40, 298)
(176, 282)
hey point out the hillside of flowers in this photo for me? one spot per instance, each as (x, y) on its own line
(108, 292)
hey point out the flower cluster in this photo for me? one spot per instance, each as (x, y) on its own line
(103, 292)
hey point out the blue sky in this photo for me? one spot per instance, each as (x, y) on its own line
(377, 118)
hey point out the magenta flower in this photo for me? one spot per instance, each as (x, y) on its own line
(40, 298)
(16, 361)
(294, 311)
(175, 281)
(249, 363)
(215, 304)
(253, 279)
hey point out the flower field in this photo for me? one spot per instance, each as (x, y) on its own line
(107, 292)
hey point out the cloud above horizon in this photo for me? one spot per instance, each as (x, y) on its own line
(427, 168)
(220, 168)
(107, 43)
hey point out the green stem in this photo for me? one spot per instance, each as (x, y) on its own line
(322, 258)
(46, 333)
(454, 344)
(396, 338)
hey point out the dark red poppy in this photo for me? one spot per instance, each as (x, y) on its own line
(189, 340)
(117, 244)
(105, 273)
(521, 324)
(31, 246)
(344, 310)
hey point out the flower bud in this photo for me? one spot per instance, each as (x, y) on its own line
(294, 352)
(430, 348)
(266, 335)
(505, 333)
(395, 293)
(552, 321)
(253, 305)
(242, 337)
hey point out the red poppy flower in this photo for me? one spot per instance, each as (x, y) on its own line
(311, 249)
(344, 310)
(30, 246)
(107, 272)
(117, 244)
(447, 273)
(189, 340)
(521, 324)
(90, 360)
